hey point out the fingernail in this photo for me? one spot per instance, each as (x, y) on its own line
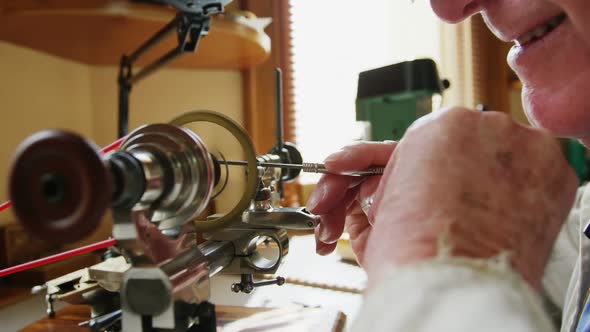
(336, 156)
(318, 247)
(324, 233)
(324, 249)
(316, 197)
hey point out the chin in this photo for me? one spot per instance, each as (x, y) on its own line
(563, 112)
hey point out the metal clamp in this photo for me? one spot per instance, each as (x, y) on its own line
(247, 284)
(297, 218)
(189, 28)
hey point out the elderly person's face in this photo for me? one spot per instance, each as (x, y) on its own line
(551, 55)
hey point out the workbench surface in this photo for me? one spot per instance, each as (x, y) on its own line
(68, 319)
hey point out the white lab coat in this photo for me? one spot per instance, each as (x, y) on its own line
(460, 294)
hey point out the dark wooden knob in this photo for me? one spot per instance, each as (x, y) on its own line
(59, 186)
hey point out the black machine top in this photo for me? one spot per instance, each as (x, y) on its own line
(205, 7)
(420, 74)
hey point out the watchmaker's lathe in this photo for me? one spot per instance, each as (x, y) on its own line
(161, 178)
(159, 185)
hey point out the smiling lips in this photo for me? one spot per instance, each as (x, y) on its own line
(540, 31)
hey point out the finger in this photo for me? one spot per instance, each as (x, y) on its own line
(324, 249)
(356, 221)
(369, 186)
(360, 156)
(332, 223)
(328, 193)
(358, 229)
(367, 194)
(351, 196)
(357, 180)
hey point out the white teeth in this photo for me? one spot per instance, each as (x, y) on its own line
(540, 31)
(555, 21)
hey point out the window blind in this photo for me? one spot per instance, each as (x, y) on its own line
(474, 61)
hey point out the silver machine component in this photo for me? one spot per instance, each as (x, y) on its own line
(321, 168)
(178, 180)
(162, 177)
(178, 173)
(296, 218)
(311, 168)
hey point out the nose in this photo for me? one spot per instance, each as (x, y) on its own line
(454, 11)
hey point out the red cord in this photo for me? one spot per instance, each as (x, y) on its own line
(58, 257)
(5, 205)
(113, 146)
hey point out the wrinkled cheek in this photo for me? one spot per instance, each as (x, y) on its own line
(578, 11)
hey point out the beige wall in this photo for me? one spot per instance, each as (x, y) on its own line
(163, 96)
(38, 91)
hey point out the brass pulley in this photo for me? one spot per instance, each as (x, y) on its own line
(250, 157)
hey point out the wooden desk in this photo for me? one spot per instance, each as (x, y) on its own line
(12, 295)
(68, 318)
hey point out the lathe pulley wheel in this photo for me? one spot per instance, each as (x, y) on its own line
(250, 156)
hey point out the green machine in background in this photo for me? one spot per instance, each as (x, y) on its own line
(391, 98)
(577, 156)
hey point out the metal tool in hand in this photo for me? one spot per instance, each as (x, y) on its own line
(312, 168)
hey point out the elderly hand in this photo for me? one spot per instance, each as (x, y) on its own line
(483, 182)
(340, 199)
